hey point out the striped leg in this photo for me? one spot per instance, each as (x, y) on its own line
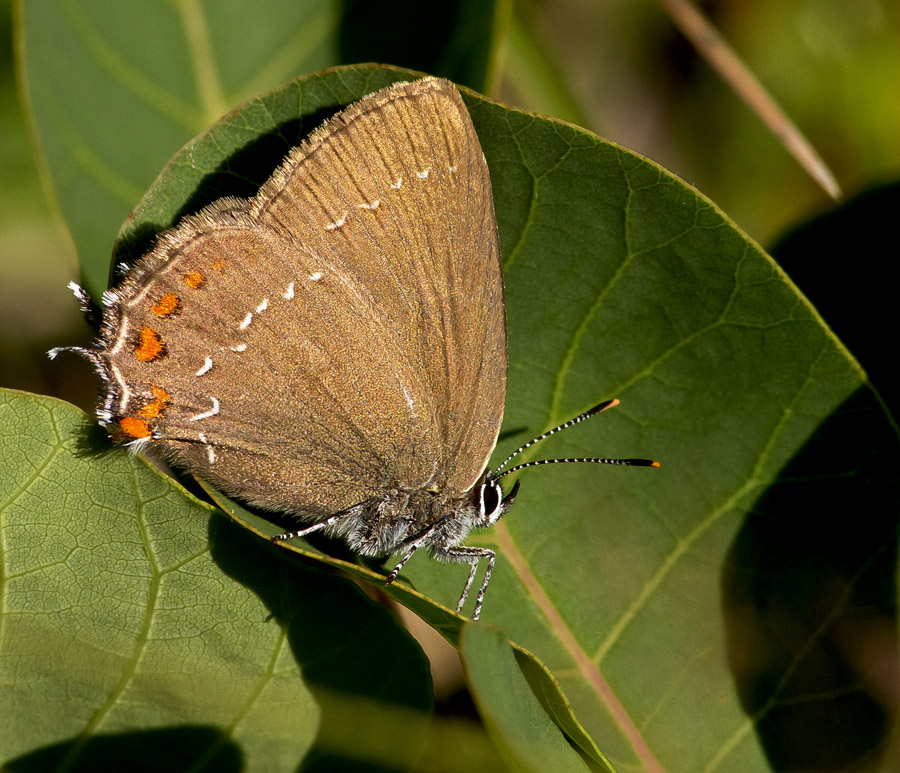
(309, 529)
(419, 540)
(472, 555)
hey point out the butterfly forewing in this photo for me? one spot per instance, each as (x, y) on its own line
(406, 220)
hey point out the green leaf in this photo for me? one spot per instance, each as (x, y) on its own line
(636, 587)
(138, 624)
(550, 695)
(521, 729)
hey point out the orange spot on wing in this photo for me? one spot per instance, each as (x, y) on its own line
(194, 279)
(167, 305)
(134, 427)
(219, 265)
(157, 405)
(149, 346)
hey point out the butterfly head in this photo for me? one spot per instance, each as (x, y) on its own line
(491, 503)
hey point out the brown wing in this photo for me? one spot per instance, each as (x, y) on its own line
(338, 335)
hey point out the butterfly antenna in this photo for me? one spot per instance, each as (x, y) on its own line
(577, 420)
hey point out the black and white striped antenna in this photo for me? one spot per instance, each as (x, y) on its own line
(496, 474)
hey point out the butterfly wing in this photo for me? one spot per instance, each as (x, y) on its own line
(339, 335)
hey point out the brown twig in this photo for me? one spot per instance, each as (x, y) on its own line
(713, 47)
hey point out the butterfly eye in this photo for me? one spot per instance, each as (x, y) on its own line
(490, 500)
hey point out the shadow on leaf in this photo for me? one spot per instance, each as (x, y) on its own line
(809, 597)
(364, 670)
(179, 748)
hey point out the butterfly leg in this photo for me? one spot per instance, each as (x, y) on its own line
(395, 572)
(473, 567)
(309, 529)
(472, 555)
(418, 541)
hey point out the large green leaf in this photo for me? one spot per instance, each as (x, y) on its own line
(623, 281)
(140, 625)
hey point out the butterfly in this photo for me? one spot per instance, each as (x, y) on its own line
(335, 346)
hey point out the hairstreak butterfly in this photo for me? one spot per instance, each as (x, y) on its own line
(335, 346)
